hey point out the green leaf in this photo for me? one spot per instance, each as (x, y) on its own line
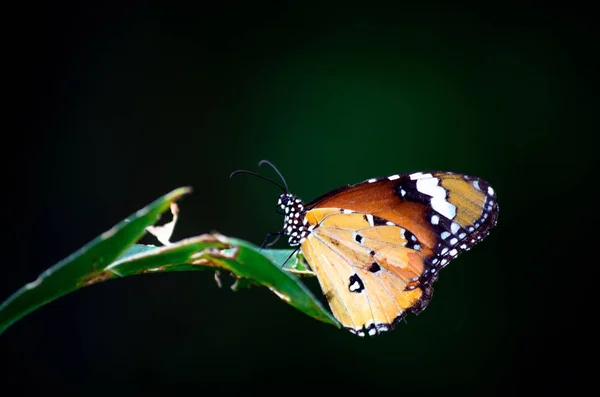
(113, 254)
(289, 261)
(86, 265)
(249, 264)
(246, 260)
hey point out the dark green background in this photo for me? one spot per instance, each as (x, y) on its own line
(118, 105)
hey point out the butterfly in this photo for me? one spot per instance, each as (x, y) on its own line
(378, 246)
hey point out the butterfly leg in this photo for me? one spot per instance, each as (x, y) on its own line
(269, 235)
(290, 256)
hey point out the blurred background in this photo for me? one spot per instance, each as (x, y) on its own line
(117, 105)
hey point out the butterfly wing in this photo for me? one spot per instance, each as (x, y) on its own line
(368, 273)
(377, 247)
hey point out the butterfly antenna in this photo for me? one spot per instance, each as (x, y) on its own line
(276, 170)
(261, 177)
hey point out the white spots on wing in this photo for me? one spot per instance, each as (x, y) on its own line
(490, 191)
(372, 180)
(344, 211)
(444, 207)
(393, 177)
(390, 223)
(403, 192)
(463, 246)
(454, 227)
(462, 235)
(444, 235)
(476, 184)
(419, 175)
(289, 229)
(370, 220)
(444, 251)
(435, 219)
(355, 286)
(453, 252)
(453, 241)
(471, 229)
(444, 262)
(358, 238)
(417, 247)
(370, 328)
(430, 187)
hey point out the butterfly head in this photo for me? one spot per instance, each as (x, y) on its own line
(294, 223)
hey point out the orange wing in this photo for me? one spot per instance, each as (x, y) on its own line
(377, 247)
(424, 203)
(369, 274)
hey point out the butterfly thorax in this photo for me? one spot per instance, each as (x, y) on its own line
(294, 223)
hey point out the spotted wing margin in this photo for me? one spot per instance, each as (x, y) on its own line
(368, 272)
